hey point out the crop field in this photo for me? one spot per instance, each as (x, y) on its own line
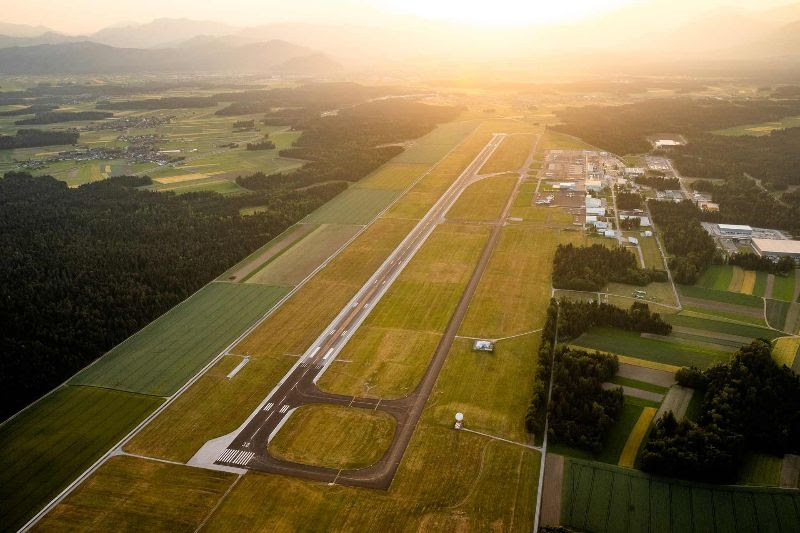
(748, 281)
(661, 351)
(483, 200)
(777, 313)
(628, 456)
(513, 293)
(216, 405)
(783, 289)
(722, 296)
(250, 264)
(716, 277)
(657, 292)
(553, 140)
(295, 264)
(45, 447)
(785, 351)
(601, 497)
(760, 285)
(688, 320)
(760, 469)
(511, 155)
(315, 435)
(763, 128)
(163, 355)
(435, 145)
(651, 253)
(130, 494)
(353, 206)
(393, 176)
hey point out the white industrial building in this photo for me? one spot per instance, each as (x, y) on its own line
(596, 211)
(593, 185)
(634, 171)
(565, 186)
(736, 231)
(777, 248)
(593, 202)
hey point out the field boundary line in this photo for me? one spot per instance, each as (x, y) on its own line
(493, 437)
(219, 503)
(103, 458)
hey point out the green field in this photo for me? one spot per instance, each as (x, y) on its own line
(483, 200)
(716, 277)
(599, 497)
(785, 351)
(301, 259)
(435, 145)
(163, 355)
(661, 351)
(718, 326)
(760, 469)
(721, 295)
(131, 494)
(783, 289)
(313, 435)
(511, 155)
(353, 206)
(643, 385)
(47, 446)
(760, 286)
(763, 128)
(393, 176)
(777, 312)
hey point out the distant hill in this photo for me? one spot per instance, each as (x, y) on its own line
(314, 64)
(49, 37)
(782, 43)
(163, 32)
(92, 58)
(22, 30)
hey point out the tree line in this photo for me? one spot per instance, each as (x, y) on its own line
(750, 404)
(659, 183)
(31, 138)
(691, 248)
(590, 268)
(84, 268)
(53, 117)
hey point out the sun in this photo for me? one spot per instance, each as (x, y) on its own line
(502, 12)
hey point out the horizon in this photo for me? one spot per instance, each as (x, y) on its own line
(79, 18)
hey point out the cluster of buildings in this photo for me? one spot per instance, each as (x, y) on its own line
(764, 242)
(126, 123)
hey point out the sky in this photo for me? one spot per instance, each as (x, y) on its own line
(86, 16)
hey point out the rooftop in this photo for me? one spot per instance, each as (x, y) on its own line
(782, 246)
(735, 227)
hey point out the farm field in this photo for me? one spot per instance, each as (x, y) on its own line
(722, 296)
(315, 435)
(511, 155)
(760, 469)
(785, 351)
(132, 494)
(163, 355)
(353, 206)
(301, 259)
(435, 145)
(393, 176)
(763, 128)
(250, 264)
(483, 200)
(628, 456)
(45, 447)
(686, 320)
(783, 289)
(600, 497)
(680, 353)
(657, 292)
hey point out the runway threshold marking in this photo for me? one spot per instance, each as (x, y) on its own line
(284, 409)
(268, 406)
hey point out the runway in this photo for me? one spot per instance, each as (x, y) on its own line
(298, 387)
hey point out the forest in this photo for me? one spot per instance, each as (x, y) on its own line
(28, 110)
(774, 158)
(351, 144)
(691, 248)
(624, 129)
(581, 414)
(84, 268)
(590, 268)
(751, 261)
(54, 117)
(742, 201)
(659, 183)
(154, 104)
(750, 404)
(628, 200)
(32, 138)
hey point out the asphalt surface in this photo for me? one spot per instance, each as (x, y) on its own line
(249, 448)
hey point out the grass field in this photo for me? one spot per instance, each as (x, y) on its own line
(748, 282)
(721, 295)
(784, 287)
(718, 326)
(760, 286)
(435, 145)
(163, 355)
(511, 155)
(717, 277)
(131, 494)
(661, 351)
(658, 292)
(628, 456)
(483, 200)
(353, 206)
(393, 176)
(777, 312)
(45, 447)
(760, 469)
(296, 263)
(553, 140)
(314, 435)
(513, 293)
(636, 384)
(250, 264)
(601, 497)
(651, 253)
(763, 128)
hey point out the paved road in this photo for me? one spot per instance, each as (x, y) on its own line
(249, 448)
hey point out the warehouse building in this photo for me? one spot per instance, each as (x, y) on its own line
(735, 231)
(777, 248)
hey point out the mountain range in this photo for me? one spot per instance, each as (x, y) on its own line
(726, 34)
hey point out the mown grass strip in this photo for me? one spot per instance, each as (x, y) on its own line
(720, 295)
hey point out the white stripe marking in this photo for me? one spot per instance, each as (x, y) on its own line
(268, 406)
(284, 408)
(328, 354)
